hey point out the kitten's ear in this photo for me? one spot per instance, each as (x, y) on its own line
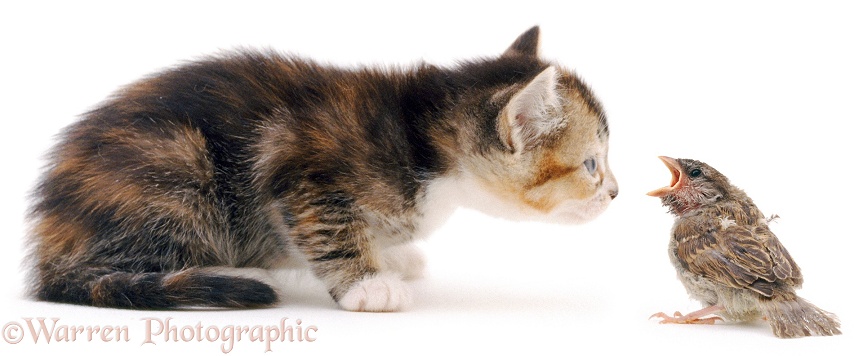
(525, 45)
(532, 113)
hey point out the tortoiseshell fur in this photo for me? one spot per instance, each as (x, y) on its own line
(249, 159)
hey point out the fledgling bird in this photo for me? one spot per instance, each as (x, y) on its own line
(727, 257)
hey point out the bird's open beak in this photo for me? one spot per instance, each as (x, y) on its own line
(677, 178)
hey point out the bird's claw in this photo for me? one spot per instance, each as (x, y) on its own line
(679, 318)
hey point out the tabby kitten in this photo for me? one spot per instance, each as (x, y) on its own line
(186, 187)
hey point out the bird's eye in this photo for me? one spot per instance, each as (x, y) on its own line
(590, 164)
(695, 173)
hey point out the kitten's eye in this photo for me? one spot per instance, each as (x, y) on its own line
(695, 173)
(590, 164)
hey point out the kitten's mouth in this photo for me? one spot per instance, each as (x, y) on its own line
(677, 179)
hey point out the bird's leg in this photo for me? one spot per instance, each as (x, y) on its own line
(691, 318)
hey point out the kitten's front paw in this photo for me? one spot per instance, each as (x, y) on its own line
(383, 292)
(406, 260)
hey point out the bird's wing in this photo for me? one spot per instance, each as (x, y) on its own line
(740, 257)
(703, 255)
(747, 249)
(752, 245)
(783, 267)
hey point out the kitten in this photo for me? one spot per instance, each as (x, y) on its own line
(184, 188)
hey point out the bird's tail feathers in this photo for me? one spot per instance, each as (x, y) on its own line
(797, 317)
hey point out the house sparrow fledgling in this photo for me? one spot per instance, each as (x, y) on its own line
(727, 257)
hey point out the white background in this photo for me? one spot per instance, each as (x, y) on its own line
(768, 93)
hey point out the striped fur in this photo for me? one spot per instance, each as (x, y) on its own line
(245, 159)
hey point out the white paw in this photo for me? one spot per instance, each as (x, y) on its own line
(406, 260)
(382, 292)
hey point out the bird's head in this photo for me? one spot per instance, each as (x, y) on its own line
(693, 184)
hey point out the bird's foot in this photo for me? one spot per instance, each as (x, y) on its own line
(696, 317)
(679, 318)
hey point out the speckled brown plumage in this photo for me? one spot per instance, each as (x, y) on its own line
(727, 257)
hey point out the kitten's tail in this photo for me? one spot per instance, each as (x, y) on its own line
(105, 287)
(792, 316)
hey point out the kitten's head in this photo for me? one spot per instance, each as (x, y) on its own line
(548, 159)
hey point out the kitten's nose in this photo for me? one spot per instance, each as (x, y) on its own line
(611, 184)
